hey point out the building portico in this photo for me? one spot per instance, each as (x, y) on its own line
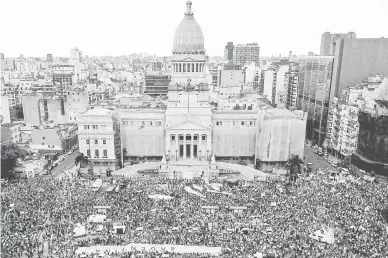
(188, 144)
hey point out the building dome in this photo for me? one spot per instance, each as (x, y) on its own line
(188, 36)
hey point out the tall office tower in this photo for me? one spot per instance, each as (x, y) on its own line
(246, 53)
(356, 59)
(49, 57)
(314, 94)
(76, 54)
(328, 42)
(228, 52)
(292, 87)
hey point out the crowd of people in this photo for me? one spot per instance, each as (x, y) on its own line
(40, 214)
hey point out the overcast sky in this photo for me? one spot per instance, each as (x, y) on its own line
(121, 27)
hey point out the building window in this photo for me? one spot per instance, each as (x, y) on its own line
(195, 137)
(96, 153)
(44, 138)
(181, 137)
(95, 141)
(104, 141)
(87, 141)
(242, 123)
(142, 123)
(188, 137)
(251, 123)
(86, 127)
(105, 153)
(95, 127)
(203, 137)
(150, 123)
(219, 123)
(159, 123)
(173, 137)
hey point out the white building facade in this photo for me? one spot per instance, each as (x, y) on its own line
(97, 138)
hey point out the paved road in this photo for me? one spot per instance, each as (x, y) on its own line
(311, 157)
(65, 164)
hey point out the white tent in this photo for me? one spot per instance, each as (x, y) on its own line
(79, 231)
(96, 218)
(324, 235)
(119, 229)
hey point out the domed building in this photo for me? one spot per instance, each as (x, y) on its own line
(188, 53)
(190, 133)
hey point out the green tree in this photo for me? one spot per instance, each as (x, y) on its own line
(294, 164)
(19, 111)
(82, 160)
(10, 152)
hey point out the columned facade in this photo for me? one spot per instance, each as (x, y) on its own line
(188, 144)
(188, 67)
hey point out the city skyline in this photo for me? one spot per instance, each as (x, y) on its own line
(109, 30)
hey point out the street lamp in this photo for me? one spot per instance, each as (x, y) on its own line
(176, 155)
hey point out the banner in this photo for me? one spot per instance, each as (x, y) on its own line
(181, 249)
(190, 190)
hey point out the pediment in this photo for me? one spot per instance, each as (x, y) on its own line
(189, 124)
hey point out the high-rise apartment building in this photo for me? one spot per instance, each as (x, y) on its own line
(328, 42)
(342, 128)
(76, 54)
(228, 52)
(314, 94)
(292, 87)
(356, 59)
(156, 83)
(246, 53)
(49, 57)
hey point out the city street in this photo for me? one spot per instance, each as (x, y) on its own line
(65, 164)
(311, 157)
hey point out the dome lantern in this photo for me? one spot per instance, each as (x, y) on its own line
(188, 37)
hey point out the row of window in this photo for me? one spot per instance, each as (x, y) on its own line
(95, 141)
(97, 153)
(188, 137)
(142, 123)
(243, 123)
(95, 127)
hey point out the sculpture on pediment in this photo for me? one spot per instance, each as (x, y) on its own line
(164, 159)
(213, 160)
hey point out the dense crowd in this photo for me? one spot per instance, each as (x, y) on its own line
(39, 215)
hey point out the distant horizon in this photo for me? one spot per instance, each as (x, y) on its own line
(127, 27)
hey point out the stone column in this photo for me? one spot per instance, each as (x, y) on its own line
(176, 146)
(192, 146)
(209, 143)
(199, 148)
(184, 146)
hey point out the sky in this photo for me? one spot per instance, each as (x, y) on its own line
(123, 27)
